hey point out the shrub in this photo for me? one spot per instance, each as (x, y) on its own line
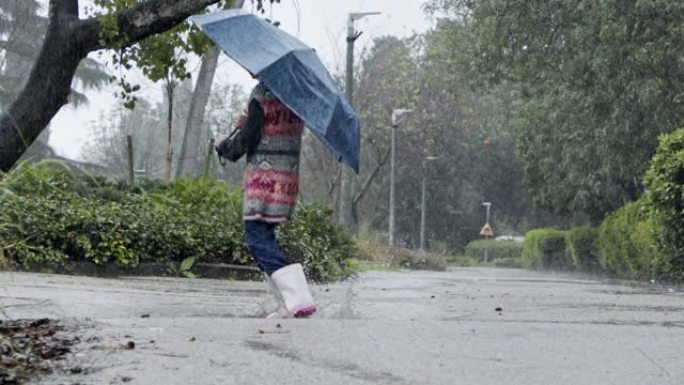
(664, 199)
(50, 215)
(372, 246)
(495, 249)
(626, 242)
(545, 249)
(581, 247)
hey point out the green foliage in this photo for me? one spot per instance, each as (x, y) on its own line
(495, 249)
(463, 130)
(581, 247)
(595, 83)
(160, 57)
(51, 215)
(626, 242)
(545, 249)
(665, 201)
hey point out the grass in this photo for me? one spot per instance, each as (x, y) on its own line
(463, 261)
(359, 266)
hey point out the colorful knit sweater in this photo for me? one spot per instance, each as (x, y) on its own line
(271, 178)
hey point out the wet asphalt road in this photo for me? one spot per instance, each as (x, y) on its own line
(464, 326)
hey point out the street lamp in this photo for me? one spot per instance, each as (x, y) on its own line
(395, 116)
(422, 204)
(487, 229)
(488, 205)
(346, 182)
(352, 35)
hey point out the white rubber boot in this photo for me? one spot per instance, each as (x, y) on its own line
(291, 283)
(281, 311)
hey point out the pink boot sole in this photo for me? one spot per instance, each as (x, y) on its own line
(305, 312)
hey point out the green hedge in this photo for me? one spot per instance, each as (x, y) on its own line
(495, 250)
(624, 246)
(545, 249)
(581, 247)
(626, 242)
(643, 239)
(664, 199)
(51, 215)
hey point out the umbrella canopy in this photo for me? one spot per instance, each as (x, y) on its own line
(292, 72)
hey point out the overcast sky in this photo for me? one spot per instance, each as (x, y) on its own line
(319, 23)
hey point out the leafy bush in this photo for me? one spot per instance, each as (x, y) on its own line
(545, 249)
(626, 242)
(495, 249)
(664, 199)
(51, 215)
(372, 246)
(581, 247)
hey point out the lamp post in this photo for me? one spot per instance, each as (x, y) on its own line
(422, 202)
(488, 205)
(395, 116)
(346, 181)
(486, 230)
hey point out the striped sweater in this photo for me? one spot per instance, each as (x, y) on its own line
(271, 178)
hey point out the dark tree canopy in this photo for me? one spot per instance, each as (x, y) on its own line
(597, 81)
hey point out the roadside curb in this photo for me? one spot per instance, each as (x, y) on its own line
(201, 270)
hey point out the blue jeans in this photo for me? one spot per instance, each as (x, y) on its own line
(263, 246)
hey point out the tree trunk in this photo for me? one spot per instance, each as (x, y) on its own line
(68, 40)
(187, 163)
(366, 185)
(46, 90)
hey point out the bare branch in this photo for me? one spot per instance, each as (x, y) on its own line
(367, 183)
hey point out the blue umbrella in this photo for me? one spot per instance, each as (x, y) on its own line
(292, 72)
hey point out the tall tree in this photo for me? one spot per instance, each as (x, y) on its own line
(188, 159)
(106, 146)
(596, 82)
(67, 42)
